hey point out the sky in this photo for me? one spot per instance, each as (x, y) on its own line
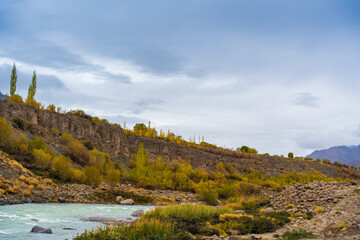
(280, 76)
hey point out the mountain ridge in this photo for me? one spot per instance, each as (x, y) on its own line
(342, 154)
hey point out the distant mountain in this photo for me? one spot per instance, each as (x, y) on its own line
(343, 154)
(2, 96)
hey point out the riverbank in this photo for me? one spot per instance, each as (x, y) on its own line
(20, 185)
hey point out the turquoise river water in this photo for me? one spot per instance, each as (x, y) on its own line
(16, 221)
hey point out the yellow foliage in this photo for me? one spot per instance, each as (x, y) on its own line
(43, 159)
(2, 191)
(319, 209)
(48, 181)
(22, 178)
(32, 181)
(78, 176)
(41, 186)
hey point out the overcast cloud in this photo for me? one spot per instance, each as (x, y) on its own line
(279, 76)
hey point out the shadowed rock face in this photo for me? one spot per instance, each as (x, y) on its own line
(112, 139)
(105, 137)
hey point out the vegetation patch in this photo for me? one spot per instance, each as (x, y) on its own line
(296, 235)
(110, 196)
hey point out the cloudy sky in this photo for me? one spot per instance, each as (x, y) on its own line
(276, 75)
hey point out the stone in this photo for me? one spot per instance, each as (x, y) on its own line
(29, 200)
(138, 213)
(38, 229)
(233, 232)
(268, 210)
(239, 212)
(253, 237)
(127, 202)
(61, 199)
(66, 228)
(119, 199)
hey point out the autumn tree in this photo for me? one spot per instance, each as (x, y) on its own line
(13, 81)
(32, 90)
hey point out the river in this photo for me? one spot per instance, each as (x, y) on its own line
(16, 221)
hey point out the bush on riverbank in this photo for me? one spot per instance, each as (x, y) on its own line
(140, 230)
(177, 221)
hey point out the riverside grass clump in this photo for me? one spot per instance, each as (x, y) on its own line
(182, 221)
(143, 229)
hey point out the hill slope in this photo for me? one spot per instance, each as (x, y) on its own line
(343, 154)
(113, 140)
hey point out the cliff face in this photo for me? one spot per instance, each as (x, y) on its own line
(105, 137)
(111, 139)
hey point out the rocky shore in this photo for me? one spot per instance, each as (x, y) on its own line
(336, 208)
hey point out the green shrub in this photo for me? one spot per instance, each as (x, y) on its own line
(5, 130)
(207, 194)
(280, 218)
(89, 145)
(43, 160)
(227, 191)
(338, 164)
(191, 218)
(93, 175)
(298, 234)
(143, 229)
(19, 123)
(326, 161)
(51, 108)
(262, 225)
(16, 98)
(114, 176)
(61, 167)
(37, 143)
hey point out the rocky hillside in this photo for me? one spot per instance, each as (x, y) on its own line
(336, 206)
(111, 139)
(20, 185)
(343, 154)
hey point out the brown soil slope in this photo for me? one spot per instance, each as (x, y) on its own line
(111, 139)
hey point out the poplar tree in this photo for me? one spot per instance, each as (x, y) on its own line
(32, 90)
(13, 81)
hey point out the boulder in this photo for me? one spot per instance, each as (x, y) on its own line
(61, 199)
(119, 199)
(233, 232)
(138, 213)
(127, 202)
(268, 210)
(38, 229)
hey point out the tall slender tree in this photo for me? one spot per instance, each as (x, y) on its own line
(13, 81)
(32, 90)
